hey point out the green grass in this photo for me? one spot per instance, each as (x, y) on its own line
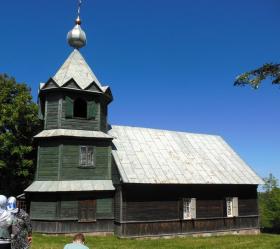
(265, 241)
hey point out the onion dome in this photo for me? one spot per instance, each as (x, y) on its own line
(77, 37)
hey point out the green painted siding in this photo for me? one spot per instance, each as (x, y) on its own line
(71, 170)
(48, 160)
(104, 208)
(51, 121)
(69, 210)
(43, 210)
(103, 118)
(59, 113)
(115, 173)
(93, 123)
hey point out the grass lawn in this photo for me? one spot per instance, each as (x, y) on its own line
(265, 241)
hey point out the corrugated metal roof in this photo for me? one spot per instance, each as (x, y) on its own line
(72, 133)
(70, 186)
(75, 67)
(167, 157)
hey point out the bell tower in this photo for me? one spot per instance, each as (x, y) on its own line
(73, 189)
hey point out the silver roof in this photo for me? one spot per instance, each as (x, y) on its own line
(167, 157)
(72, 133)
(70, 186)
(75, 67)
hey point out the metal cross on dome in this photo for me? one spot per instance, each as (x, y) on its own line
(79, 7)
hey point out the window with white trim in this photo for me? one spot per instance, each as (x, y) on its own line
(189, 208)
(86, 156)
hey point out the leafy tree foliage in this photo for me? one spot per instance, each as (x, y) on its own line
(255, 77)
(270, 204)
(18, 124)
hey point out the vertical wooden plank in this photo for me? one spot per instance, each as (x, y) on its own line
(121, 205)
(109, 163)
(38, 162)
(69, 107)
(60, 157)
(59, 116)
(46, 114)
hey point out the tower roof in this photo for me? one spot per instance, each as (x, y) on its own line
(76, 68)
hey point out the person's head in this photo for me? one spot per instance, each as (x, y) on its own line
(3, 202)
(79, 238)
(12, 204)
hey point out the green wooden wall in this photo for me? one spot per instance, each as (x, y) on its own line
(48, 162)
(69, 209)
(71, 170)
(51, 112)
(80, 124)
(55, 113)
(46, 210)
(104, 208)
(59, 160)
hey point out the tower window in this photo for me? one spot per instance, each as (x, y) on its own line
(80, 108)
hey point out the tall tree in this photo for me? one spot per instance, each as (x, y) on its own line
(270, 204)
(255, 77)
(19, 122)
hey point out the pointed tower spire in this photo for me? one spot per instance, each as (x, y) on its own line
(77, 37)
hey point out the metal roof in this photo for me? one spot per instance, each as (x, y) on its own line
(72, 133)
(167, 157)
(76, 68)
(70, 186)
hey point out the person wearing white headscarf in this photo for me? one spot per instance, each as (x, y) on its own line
(21, 226)
(5, 224)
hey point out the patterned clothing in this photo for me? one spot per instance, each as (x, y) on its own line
(21, 228)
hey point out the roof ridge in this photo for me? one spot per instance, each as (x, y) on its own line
(158, 129)
(67, 61)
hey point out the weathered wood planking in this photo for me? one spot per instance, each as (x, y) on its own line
(138, 229)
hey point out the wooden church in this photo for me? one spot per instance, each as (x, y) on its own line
(130, 181)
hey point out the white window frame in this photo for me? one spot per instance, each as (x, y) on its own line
(232, 206)
(87, 156)
(189, 208)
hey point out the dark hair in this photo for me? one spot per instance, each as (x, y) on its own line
(79, 236)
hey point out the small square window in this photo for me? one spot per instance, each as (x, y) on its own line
(86, 156)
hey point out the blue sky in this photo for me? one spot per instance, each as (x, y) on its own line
(170, 64)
